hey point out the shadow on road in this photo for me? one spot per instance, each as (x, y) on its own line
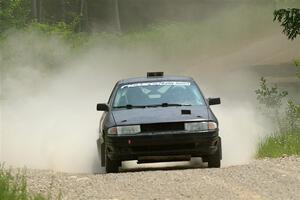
(132, 166)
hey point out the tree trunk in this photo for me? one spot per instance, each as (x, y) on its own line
(34, 9)
(40, 10)
(81, 7)
(86, 11)
(63, 10)
(83, 15)
(117, 15)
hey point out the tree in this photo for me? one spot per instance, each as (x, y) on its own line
(83, 15)
(117, 15)
(14, 13)
(290, 21)
(41, 17)
(63, 10)
(34, 9)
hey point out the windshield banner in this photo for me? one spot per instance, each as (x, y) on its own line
(175, 83)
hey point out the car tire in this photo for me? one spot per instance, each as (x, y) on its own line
(204, 158)
(214, 161)
(111, 166)
(102, 152)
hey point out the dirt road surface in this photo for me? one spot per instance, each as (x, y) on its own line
(261, 179)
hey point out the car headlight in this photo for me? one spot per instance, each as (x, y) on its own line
(124, 130)
(200, 126)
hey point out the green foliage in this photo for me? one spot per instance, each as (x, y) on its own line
(270, 101)
(277, 145)
(14, 187)
(290, 21)
(60, 28)
(14, 13)
(286, 140)
(270, 97)
(17, 14)
(293, 116)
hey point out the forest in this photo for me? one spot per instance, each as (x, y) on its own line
(113, 15)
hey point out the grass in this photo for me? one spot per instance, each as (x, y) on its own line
(278, 145)
(14, 187)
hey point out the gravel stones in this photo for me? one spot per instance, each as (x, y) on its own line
(261, 179)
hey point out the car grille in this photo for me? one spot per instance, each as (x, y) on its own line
(161, 127)
(154, 148)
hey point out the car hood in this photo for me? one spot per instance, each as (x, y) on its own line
(159, 115)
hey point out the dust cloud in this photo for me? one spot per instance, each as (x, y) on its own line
(49, 121)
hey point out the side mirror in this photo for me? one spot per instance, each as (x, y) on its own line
(214, 101)
(102, 107)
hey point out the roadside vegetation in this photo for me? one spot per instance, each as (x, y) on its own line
(284, 114)
(71, 21)
(169, 39)
(280, 145)
(14, 186)
(285, 117)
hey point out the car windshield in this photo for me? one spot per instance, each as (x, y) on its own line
(166, 93)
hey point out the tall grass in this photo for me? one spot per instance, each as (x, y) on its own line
(278, 145)
(14, 186)
(286, 139)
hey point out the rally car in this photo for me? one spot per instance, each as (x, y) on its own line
(157, 119)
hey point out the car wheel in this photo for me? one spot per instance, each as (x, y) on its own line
(214, 161)
(102, 154)
(111, 166)
(204, 158)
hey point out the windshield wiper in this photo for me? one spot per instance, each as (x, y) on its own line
(168, 105)
(129, 106)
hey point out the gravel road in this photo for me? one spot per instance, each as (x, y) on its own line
(261, 179)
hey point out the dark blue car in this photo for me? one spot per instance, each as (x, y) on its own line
(157, 119)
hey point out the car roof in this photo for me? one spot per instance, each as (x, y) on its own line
(150, 79)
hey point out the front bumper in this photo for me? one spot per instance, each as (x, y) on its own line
(162, 144)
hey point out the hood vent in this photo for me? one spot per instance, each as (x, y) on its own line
(186, 112)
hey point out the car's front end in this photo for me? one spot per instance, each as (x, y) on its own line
(163, 141)
(158, 119)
